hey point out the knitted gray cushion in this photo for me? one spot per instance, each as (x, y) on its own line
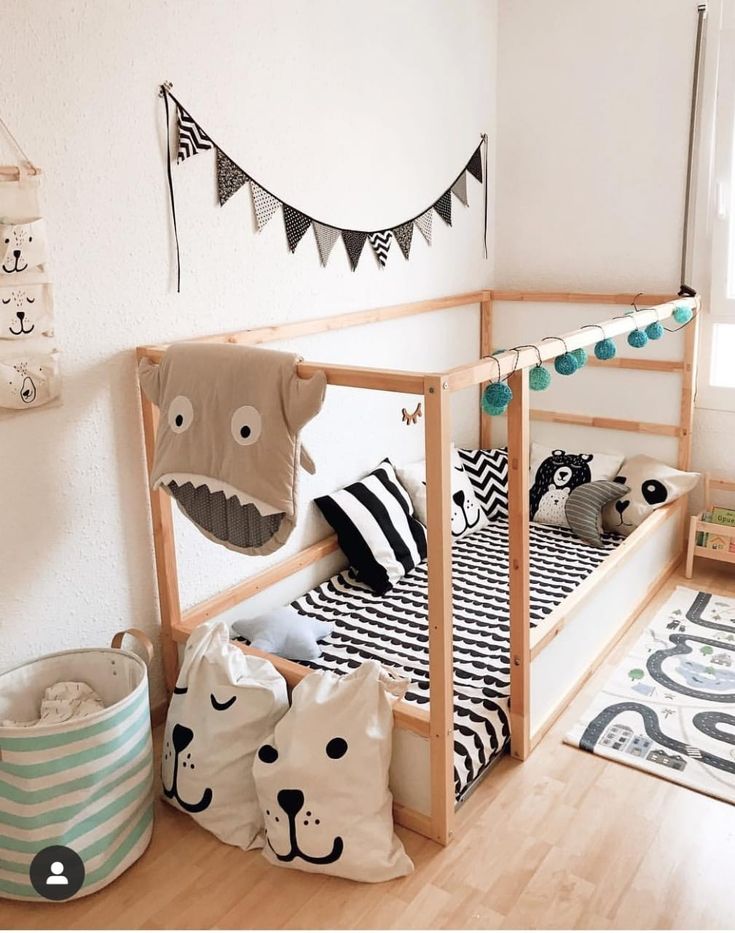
(584, 506)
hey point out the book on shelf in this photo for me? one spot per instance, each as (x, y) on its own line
(722, 516)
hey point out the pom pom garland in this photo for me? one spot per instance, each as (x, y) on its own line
(682, 314)
(605, 349)
(580, 356)
(566, 364)
(655, 331)
(539, 378)
(637, 339)
(496, 398)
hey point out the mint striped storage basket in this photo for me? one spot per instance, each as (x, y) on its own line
(87, 783)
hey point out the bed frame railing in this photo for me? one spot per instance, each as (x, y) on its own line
(436, 389)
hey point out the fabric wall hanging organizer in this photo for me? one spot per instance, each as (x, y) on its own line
(29, 356)
(192, 140)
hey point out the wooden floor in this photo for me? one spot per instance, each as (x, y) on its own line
(564, 840)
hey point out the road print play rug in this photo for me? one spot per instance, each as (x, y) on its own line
(669, 708)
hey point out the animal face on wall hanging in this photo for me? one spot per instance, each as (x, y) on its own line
(22, 247)
(227, 445)
(25, 310)
(29, 381)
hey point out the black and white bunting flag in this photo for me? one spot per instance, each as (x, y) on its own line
(459, 188)
(403, 236)
(474, 166)
(424, 224)
(192, 138)
(354, 241)
(326, 237)
(443, 207)
(296, 226)
(230, 177)
(380, 243)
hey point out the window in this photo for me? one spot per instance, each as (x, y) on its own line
(716, 384)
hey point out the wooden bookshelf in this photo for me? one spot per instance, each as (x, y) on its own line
(697, 524)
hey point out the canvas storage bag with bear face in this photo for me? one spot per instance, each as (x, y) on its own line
(25, 311)
(322, 778)
(224, 706)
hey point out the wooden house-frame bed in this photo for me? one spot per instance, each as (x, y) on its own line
(573, 639)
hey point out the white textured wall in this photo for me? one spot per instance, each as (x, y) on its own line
(593, 110)
(359, 112)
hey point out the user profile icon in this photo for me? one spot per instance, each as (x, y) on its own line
(57, 873)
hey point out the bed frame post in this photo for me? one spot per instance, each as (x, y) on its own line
(437, 399)
(688, 391)
(518, 566)
(165, 552)
(486, 349)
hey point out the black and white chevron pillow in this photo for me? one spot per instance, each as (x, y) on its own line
(376, 528)
(488, 473)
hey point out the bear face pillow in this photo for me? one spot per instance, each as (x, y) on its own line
(652, 484)
(467, 513)
(555, 473)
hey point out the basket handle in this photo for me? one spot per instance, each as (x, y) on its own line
(117, 640)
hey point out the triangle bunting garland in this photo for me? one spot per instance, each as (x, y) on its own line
(326, 237)
(230, 178)
(192, 138)
(264, 204)
(403, 236)
(474, 166)
(459, 188)
(380, 243)
(354, 241)
(296, 226)
(424, 224)
(443, 207)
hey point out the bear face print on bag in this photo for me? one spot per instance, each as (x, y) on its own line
(22, 247)
(25, 311)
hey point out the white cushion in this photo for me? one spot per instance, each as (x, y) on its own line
(467, 513)
(652, 484)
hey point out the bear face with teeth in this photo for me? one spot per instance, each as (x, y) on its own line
(22, 247)
(227, 446)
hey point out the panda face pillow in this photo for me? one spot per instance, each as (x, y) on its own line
(555, 473)
(652, 484)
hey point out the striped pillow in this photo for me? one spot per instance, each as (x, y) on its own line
(583, 508)
(376, 528)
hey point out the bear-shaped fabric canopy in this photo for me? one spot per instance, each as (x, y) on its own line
(228, 445)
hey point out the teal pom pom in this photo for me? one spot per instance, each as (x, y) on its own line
(580, 356)
(539, 378)
(605, 349)
(682, 314)
(566, 364)
(655, 331)
(496, 398)
(637, 339)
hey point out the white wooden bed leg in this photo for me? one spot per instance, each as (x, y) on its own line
(441, 670)
(518, 567)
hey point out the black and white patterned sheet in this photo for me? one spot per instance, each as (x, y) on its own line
(393, 628)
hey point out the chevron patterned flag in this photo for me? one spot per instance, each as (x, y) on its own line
(192, 138)
(488, 473)
(380, 243)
